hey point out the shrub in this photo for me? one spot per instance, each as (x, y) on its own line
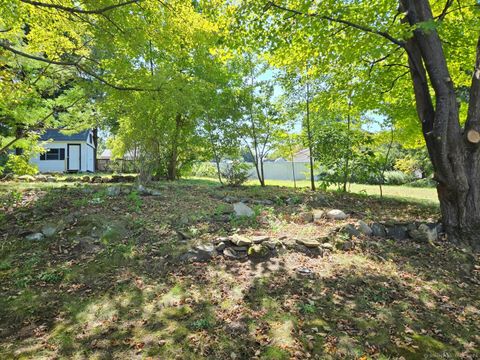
(396, 178)
(423, 183)
(204, 169)
(236, 173)
(19, 164)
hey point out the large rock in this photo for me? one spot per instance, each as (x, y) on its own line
(240, 240)
(41, 178)
(397, 232)
(260, 239)
(27, 178)
(113, 191)
(425, 233)
(364, 228)
(35, 237)
(351, 230)
(200, 253)
(309, 243)
(379, 230)
(318, 215)
(243, 210)
(336, 215)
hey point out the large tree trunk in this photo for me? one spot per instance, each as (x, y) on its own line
(454, 151)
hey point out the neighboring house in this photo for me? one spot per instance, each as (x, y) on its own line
(66, 153)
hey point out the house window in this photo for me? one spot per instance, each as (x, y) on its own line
(91, 138)
(53, 154)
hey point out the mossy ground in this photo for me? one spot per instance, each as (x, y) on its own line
(110, 284)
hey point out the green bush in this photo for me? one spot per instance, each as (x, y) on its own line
(396, 178)
(423, 183)
(20, 165)
(236, 173)
(204, 169)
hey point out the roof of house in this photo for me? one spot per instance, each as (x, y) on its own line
(56, 135)
(302, 156)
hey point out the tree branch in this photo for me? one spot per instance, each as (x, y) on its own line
(340, 21)
(77, 10)
(76, 65)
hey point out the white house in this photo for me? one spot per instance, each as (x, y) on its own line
(66, 153)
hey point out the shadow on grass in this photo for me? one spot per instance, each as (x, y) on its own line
(126, 295)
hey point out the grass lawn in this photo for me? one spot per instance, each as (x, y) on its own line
(423, 195)
(110, 283)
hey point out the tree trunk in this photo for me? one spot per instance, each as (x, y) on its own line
(172, 163)
(309, 136)
(453, 151)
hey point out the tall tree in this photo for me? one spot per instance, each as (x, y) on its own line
(437, 44)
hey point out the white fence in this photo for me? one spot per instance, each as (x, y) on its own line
(281, 170)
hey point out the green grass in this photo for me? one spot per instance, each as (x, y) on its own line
(110, 284)
(399, 192)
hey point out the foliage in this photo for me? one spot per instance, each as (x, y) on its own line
(236, 173)
(19, 164)
(423, 183)
(204, 169)
(396, 178)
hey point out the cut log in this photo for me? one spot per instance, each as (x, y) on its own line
(473, 136)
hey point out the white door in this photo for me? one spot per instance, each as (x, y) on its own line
(73, 157)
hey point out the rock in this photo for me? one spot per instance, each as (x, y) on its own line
(307, 217)
(85, 178)
(200, 253)
(27, 178)
(8, 177)
(113, 191)
(41, 178)
(35, 237)
(240, 248)
(378, 230)
(240, 240)
(142, 190)
(351, 230)
(243, 210)
(348, 245)
(336, 215)
(220, 246)
(206, 249)
(397, 232)
(327, 246)
(230, 199)
(51, 179)
(309, 243)
(364, 228)
(424, 233)
(221, 239)
(258, 251)
(304, 271)
(260, 239)
(96, 179)
(230, 253)
(318, 215)
(272, 245)
(49, 230)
